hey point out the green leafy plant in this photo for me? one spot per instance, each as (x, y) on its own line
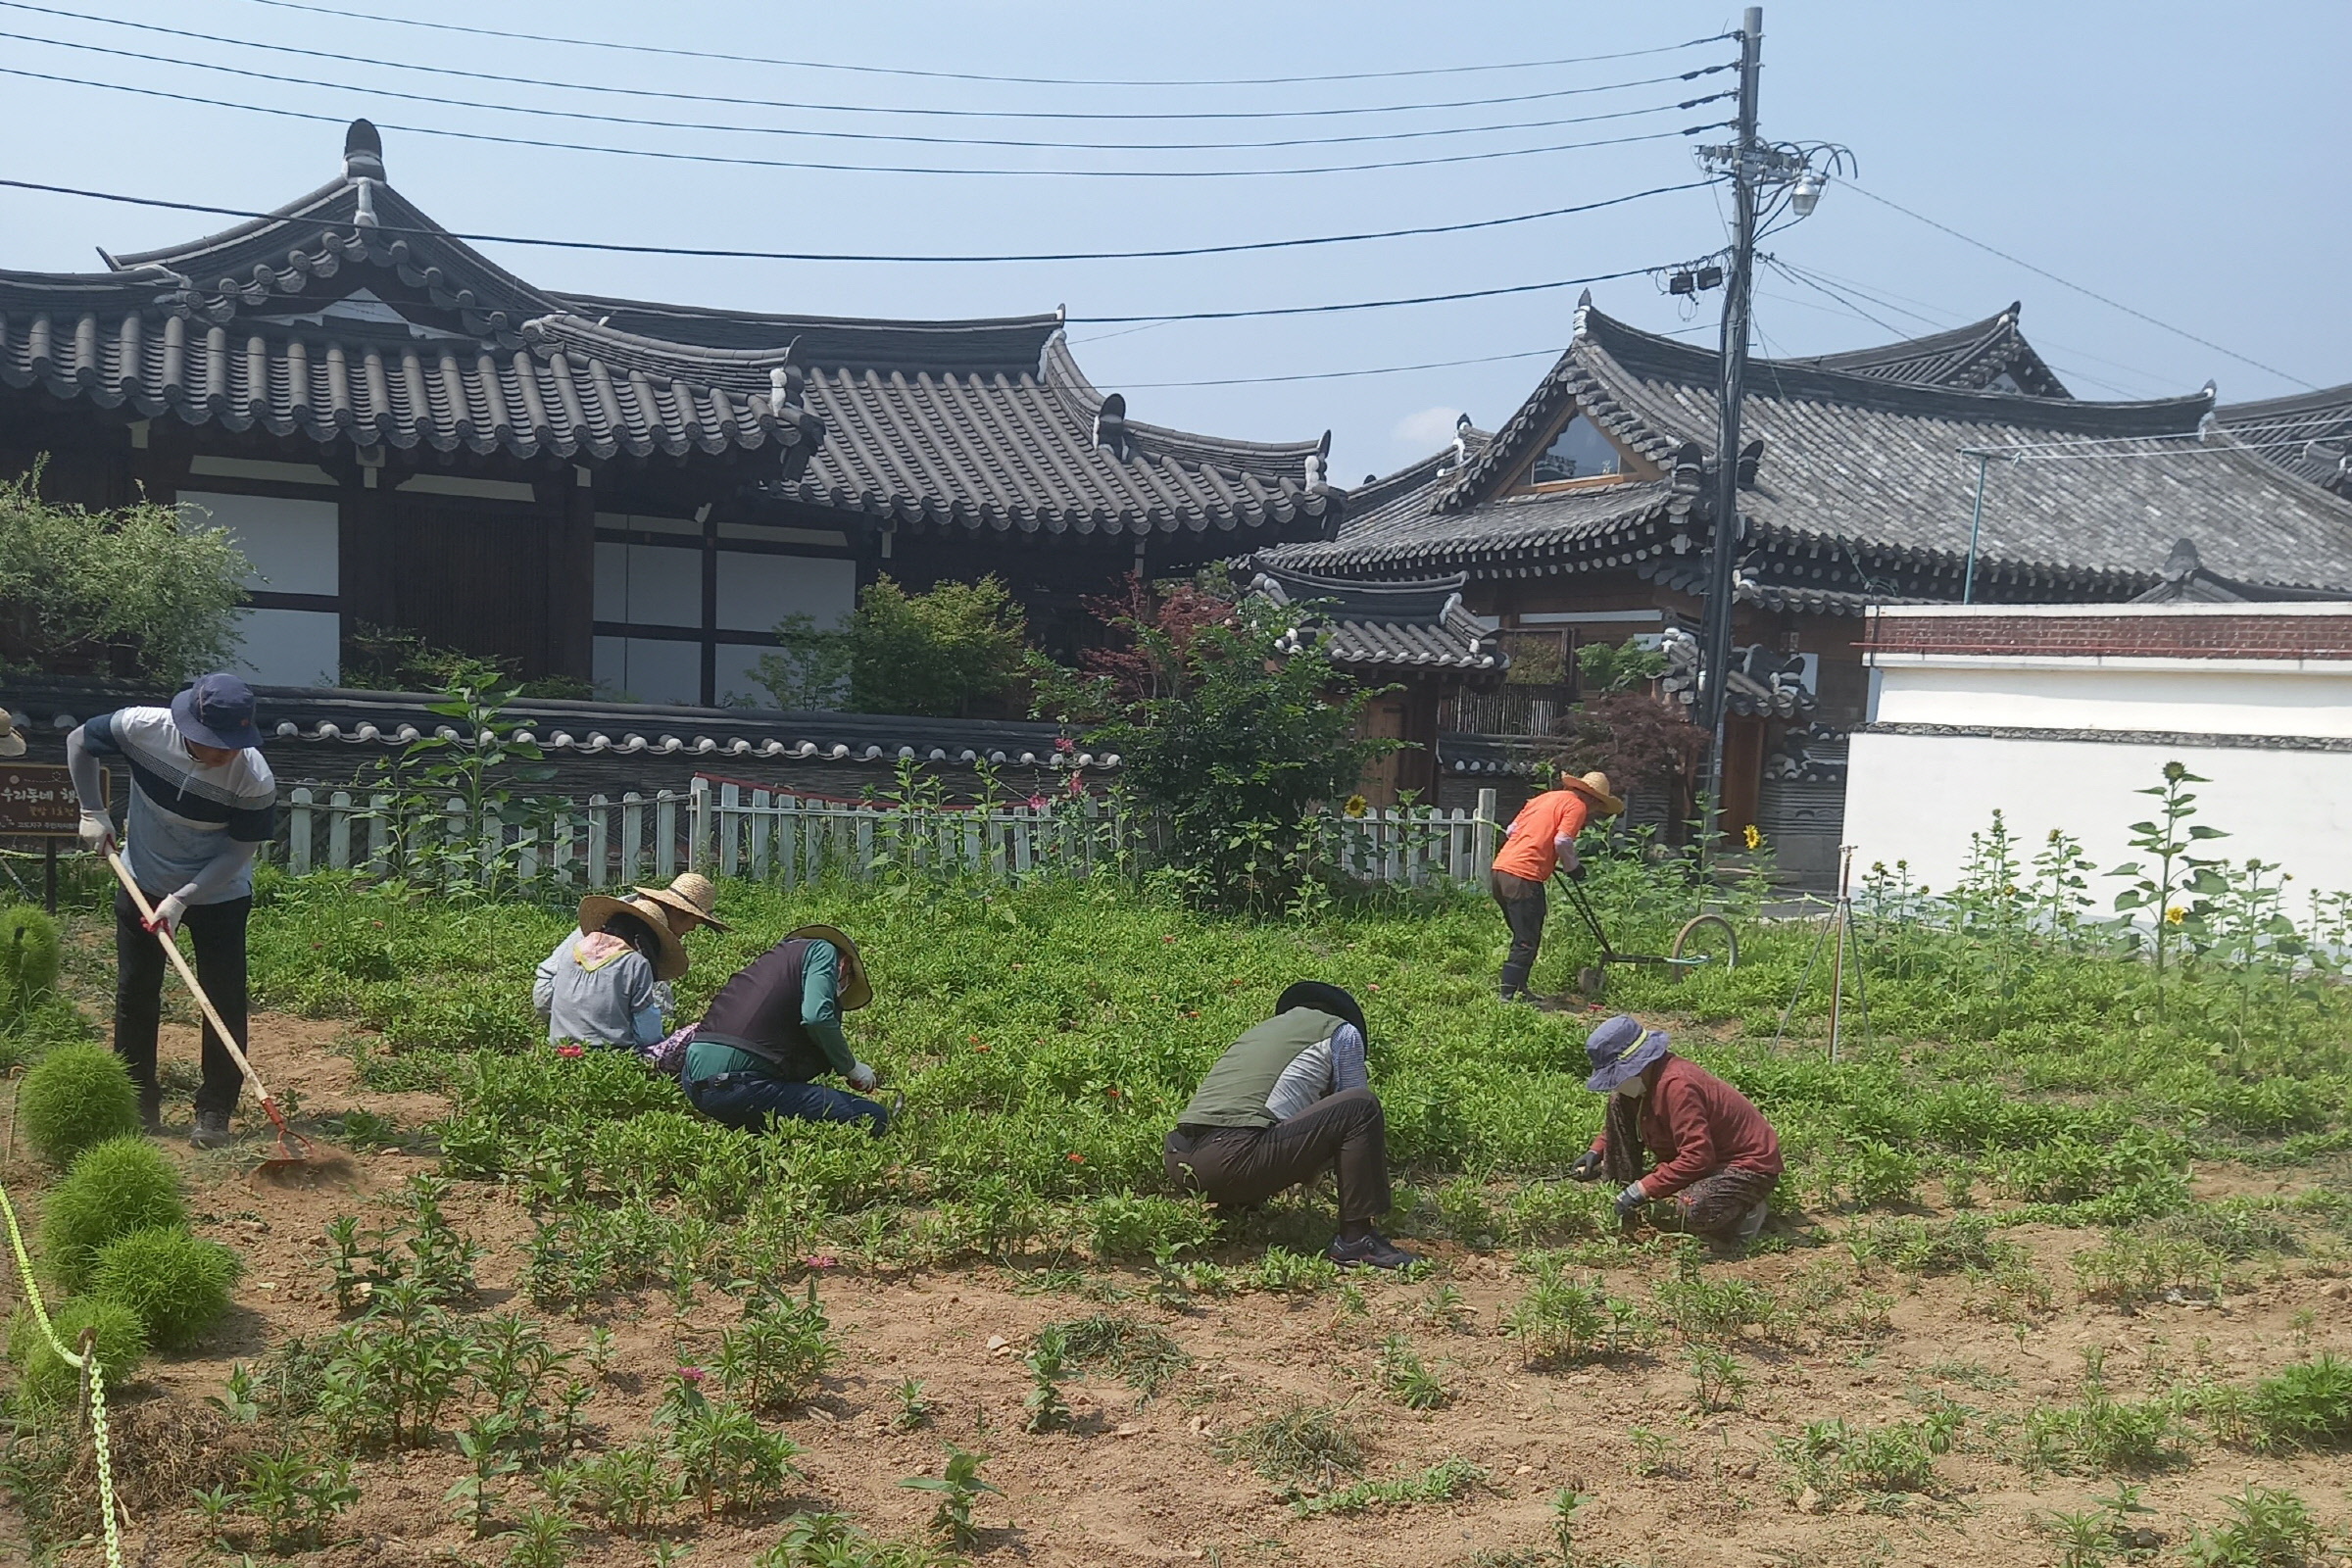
(31, 953)
(957, 1486)
(177, 1284)
(2267, 1529)
(47, 1379)
(452, 817)
(728, 1460)
(1558, 1321)
(296, 1494)
(2307, 1404)
(74, 1098)
(2176, 873)
(1448, 1480)
(915, 1412)
(482, 1445)
(1407, 1380)
(780, 1352)
(145, 592)
(541, 1539)
(1045, 1410)
(1717, 1379)
(112, 1189)
(953, 652)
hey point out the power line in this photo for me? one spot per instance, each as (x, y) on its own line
(727, 254)
(2112, 303)
(744, 161)
(647, 122)
(926, 110)
(1828, 292)
(1369, 305)
(1338, 375)
(967, 75)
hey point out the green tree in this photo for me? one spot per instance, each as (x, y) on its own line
(1238, 743)
(143, 591)
(945, 654)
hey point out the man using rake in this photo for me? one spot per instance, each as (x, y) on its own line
(1542, 839)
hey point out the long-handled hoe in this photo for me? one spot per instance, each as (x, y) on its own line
(298, 1161)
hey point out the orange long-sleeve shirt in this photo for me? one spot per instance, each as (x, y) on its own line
(1529, 851)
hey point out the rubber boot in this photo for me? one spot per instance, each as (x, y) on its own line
(1514, 980)
(151, 1108)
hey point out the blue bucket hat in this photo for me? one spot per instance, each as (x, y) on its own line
(217, 710)
(1620, 1048)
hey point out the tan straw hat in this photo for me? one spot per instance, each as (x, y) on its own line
(1595, 786)
(691, 897)
(598, 908)
(855, 991)
(12, 744)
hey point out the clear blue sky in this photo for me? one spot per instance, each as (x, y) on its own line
(2187, 160)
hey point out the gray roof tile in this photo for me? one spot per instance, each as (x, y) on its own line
(1395, 627)
(2308, 435)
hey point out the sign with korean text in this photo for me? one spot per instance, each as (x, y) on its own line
(37, 801)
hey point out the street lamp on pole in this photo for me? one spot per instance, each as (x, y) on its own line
(1766, 178)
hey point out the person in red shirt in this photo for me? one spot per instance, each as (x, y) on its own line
(1542, 839)
(1718, 1157)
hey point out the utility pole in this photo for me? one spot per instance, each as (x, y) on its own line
(1767, 180)
(1715, 647)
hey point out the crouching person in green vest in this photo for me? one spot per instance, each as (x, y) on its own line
(774, 1029)
(1287, 1100)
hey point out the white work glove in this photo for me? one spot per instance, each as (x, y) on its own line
(167, 914)
(861, 1078)
(98, 832)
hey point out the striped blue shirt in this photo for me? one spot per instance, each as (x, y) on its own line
(184, 813)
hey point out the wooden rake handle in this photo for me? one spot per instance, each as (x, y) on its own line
(212, 1014)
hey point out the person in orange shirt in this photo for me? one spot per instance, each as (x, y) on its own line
(1540, 840)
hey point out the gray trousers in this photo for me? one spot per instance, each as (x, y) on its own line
(1235, 1167)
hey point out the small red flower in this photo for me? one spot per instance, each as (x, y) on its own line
(1111, 1090)
(822, 1260)
(568, 1051)
(1037, 803)
(982, 1048)
(1167, 939)
(1075, 1157)
(1064, 745)
(1191, 1016)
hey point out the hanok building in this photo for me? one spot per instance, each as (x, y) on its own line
(1586, 517)
(401, 433)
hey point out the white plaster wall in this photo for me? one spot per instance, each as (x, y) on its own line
(1917, 798)
(2184, 696)
(293, 546)
(290, 647)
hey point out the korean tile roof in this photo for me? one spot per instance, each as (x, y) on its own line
(349, 316)
(1396, 627)
(1863, 491)
(2308, 435)
(1973, 357)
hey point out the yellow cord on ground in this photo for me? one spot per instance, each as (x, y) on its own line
(86, 1359)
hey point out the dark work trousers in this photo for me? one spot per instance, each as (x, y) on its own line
(219, 931)
(1523, 911)
(1238, 1166)
(755, 1102)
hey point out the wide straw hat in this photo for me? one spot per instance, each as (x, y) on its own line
(12, 744)
(1323, 997)
(691, 897)
(1595, 786)
(856, 991)
(1618, 1048)
(598, 908)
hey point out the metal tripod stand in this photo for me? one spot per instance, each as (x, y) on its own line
(1837, 935)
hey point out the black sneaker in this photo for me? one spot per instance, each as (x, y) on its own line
(210, 1131)
(1370, 1251)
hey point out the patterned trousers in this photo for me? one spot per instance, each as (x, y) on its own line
(1715, 1205)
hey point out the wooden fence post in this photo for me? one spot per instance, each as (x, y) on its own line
(730, 821)
(559, 861)
(339, 831)
(379, 832)
(698, 824)
(297, 833)
(666, 835)
(1486, 834)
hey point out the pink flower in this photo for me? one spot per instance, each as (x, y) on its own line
(570, 1052)
(822, 1260)
(1037, 803)
(1064, 745)
(1077, 786)
(691, 1374)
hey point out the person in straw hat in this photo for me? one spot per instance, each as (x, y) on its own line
(1718, 1157)
(12, 744)
(774, 1029)
(1542, 839)
(608, 983)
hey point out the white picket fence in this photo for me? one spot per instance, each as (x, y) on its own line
(737, 831)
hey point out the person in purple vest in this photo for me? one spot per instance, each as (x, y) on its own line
(774, 1029)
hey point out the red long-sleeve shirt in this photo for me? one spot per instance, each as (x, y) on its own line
(1697, 1124)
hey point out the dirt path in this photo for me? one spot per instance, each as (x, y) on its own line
(1143, 1482)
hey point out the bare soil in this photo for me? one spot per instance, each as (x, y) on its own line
(1142, 1481)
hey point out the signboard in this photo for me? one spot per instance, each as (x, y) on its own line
(37, 801)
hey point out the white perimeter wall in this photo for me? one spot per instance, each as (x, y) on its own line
(1918, 797)
(292, 547)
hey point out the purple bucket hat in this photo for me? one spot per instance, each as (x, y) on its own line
(1620, 1048)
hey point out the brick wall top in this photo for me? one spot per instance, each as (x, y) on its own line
(2248, 634)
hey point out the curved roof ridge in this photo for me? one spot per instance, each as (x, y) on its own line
(235, 233)
(1968, 356)
(1638, 351)
(1280, 460)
